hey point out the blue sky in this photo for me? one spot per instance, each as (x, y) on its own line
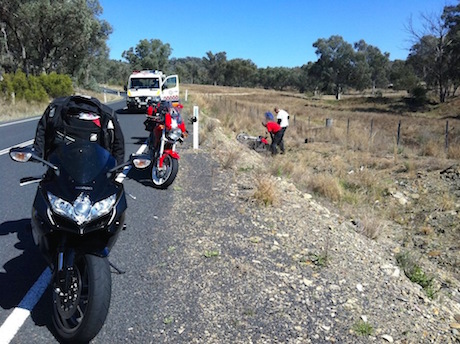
(270, 33)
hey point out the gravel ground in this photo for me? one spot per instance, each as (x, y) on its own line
(232, 271)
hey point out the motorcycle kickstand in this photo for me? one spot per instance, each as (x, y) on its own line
(117, 270)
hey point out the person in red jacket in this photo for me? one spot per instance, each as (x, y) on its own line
(275, 132)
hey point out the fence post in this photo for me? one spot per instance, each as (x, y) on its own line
(196, 112)
(447, 136)
(348, 126)
(372, 128)
(186, 95)
(399, 133)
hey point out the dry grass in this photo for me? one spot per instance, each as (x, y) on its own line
(19, 110)
(354, 162)
(228, 158)
(265, 191)
(326, 185)
(22, 109)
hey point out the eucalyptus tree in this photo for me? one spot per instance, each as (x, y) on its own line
(190, 69)
(46, 35)
(431, 55)
(335, 63)
(376, 64)
(402, 75)
(215, 65)
(148, 54)
(239, 72)
(451, 17)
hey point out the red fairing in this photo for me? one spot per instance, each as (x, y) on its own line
(264, 140)
(150, 110)
(172, 153)
(168, 121)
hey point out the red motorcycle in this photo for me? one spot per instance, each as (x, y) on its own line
(166, 130)
(258, 143)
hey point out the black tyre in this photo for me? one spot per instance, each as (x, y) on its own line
(164, 178)
(80, 312)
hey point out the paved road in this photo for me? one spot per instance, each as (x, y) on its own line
(21, 264)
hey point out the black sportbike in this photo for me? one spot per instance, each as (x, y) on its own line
(77, 215)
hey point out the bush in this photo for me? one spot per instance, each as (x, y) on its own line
(419, 97)
(35, 88)
(35, 91)
(57, 85)
(20, 84)
(6, 86)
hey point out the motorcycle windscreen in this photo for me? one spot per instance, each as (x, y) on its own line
(83, 162)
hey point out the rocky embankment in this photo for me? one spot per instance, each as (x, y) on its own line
(295, 272)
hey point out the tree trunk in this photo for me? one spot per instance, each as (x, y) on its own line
(337, 93)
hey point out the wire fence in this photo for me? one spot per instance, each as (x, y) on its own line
(385, 132)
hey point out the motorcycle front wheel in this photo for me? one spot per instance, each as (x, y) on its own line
(162, 178)
(242, 137)
(80, 311)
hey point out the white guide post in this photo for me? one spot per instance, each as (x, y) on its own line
(196, 122)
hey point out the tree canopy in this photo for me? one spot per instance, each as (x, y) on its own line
(45, 36)
(69, 37)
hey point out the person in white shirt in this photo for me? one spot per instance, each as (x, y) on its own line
(282, 118)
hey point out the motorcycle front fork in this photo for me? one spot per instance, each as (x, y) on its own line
(154, 152)
(64, 267)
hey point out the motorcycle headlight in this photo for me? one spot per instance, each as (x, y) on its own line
(81, 211)
(175, 134)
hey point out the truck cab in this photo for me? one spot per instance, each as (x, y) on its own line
(150, 85)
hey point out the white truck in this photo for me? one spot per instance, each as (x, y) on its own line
(150, 85)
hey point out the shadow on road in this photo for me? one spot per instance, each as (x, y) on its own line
(139, 140)
(126, 111)
(142, 176)
(21, 272)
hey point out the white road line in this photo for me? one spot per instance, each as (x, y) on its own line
(21, 121)
(23, 144)
(19, 315)
(122, 175)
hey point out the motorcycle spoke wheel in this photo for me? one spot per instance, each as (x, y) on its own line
(80, 311)
(165, 177)
(242, 137)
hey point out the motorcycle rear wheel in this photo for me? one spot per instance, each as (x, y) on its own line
(164, 178)
(80, 320)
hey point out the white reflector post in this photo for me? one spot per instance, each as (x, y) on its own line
(196, 112)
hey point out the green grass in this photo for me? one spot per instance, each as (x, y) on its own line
(363, 328)
(415, 273)
(210, 254)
